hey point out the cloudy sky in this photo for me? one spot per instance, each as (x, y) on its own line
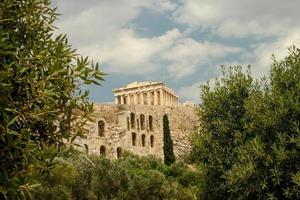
(180, 42)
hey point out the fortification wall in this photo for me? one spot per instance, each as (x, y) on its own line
(139, 129)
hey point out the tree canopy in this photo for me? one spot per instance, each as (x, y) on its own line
(41, 101)
(249, 147)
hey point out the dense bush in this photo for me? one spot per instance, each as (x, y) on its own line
(249, 146)
(78, 176)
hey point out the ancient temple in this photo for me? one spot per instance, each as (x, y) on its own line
(146, 93)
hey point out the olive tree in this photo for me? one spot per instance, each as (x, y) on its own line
(249, 144)
(41, 101)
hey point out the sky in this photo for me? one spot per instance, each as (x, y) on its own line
(180, 42)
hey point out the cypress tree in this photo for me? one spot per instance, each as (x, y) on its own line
(169, 156)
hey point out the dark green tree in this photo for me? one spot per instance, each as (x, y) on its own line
(222, 120)
(41, 103)
(269, 162)
(249, 144)
(169, 156)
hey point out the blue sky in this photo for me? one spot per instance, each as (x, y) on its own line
(182, 43)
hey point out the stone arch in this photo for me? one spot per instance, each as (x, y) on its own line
(133, 139)
(102, 150)
(151, 141)
(150, 123)
(132, 120)
(142, 121)
(101, 128)
(119, 152)
(143, 140)
(86, 147)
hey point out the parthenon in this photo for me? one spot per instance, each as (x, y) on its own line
(146, 93)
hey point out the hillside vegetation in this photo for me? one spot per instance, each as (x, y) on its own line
(75, 175)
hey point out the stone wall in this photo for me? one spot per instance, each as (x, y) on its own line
(120, 128)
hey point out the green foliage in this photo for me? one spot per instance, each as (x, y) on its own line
(249, 146)
(169, 156)
(40, 98)
(78, 176)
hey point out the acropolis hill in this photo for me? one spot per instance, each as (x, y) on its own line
(135, 122)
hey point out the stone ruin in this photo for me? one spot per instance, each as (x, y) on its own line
(135, 122)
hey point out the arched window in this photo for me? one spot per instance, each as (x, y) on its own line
(101, 128)
(151, 141)
(86, 147)
(133, 138)
(102, 150)
(119, 152)
(142, 119)
(150, 123)
(132, 120)
(143, 140)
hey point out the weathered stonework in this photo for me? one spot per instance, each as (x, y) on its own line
(138, 129)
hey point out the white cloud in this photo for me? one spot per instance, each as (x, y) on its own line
(129, 53)
(260, 60)
(192, 92)
(279, 47)
(99, 22)
(93, 20)
(240, 18)
(259, 56)
(187, 54)
(104, 30)
(161, 5)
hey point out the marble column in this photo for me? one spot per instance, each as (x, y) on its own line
(168, 98)
(128, 99)
(162, 97)
(131, 99)
(142, 98)
(155, 97)
(148, 98)
(122, 99)
(135, 100)
(161, 101)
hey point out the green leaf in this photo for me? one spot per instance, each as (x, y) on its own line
(12, 121)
